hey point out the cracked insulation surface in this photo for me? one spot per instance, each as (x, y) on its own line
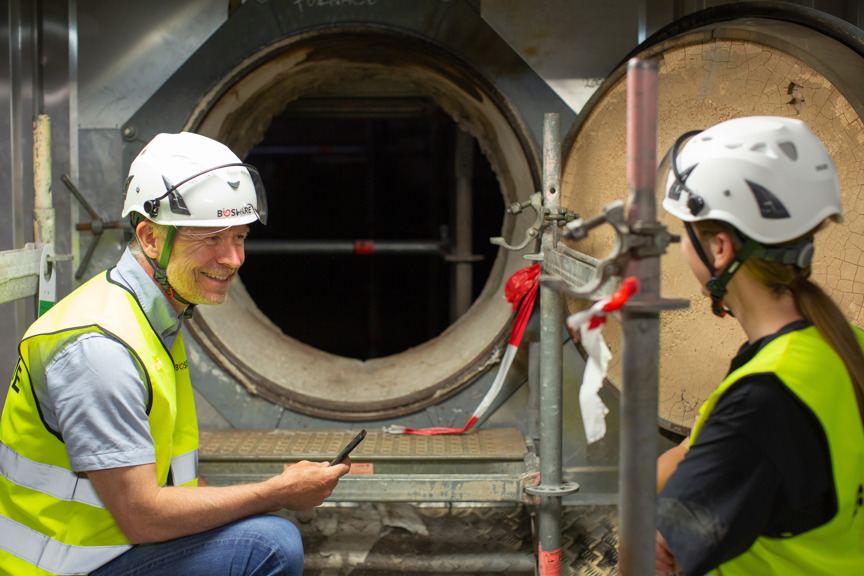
(704, 81)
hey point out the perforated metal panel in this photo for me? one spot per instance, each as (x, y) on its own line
(494, 443)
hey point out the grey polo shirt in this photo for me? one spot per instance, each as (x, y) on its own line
(94, 392)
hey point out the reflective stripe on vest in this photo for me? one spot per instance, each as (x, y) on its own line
(58, 482)
(54, 556)
(65, 484)
(184, 468)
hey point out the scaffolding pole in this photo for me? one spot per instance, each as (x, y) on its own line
(640, 320)
(640, 241)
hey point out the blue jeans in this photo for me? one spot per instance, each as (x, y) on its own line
(262, 545)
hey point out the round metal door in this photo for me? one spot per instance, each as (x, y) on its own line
(270, 55)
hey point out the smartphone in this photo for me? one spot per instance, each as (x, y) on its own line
(347, 450)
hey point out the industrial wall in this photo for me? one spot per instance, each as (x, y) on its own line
(111, 74)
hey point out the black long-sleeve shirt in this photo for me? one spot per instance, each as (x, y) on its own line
(759, 467)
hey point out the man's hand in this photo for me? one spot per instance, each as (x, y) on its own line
(305, 485)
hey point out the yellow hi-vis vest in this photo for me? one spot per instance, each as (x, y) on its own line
(51, 519)
(814, 372)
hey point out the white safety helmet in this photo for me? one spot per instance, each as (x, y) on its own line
(769, 177)
(187, 179)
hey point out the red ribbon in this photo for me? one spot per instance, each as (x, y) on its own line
(629, 287)
(520, 287)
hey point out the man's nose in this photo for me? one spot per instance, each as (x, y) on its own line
(232, 255)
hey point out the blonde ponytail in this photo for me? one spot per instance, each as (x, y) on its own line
(817, 307)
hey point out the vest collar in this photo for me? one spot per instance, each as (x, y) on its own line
(153, 301)
(748, 350)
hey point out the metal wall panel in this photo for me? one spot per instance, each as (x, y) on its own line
(35, 60)
(16, 62)
(127, 51)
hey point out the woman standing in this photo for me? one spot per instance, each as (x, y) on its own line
(772, 482)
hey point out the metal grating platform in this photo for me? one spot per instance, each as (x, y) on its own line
(492, 443)
(487, 465)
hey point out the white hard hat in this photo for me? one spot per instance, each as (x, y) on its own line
(769, 177)
(187, 179)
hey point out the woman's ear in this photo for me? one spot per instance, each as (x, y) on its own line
(150, 241)
(722, 250)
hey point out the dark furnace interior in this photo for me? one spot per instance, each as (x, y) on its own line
(341, 172)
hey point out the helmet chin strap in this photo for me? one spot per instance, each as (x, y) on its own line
(160, 271)
(799, 255)
(717, 285)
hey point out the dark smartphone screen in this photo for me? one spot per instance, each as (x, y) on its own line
(347, 450)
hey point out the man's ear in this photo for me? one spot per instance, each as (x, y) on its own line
(722, 250)
(150, 241)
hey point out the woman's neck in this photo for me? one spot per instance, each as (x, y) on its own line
(759, 311)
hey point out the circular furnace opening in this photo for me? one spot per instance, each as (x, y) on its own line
(713, 66)
(367, 211)
(304, 71)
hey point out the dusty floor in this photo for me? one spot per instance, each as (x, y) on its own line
(390, 539)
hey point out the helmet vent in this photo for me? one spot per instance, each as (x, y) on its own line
(789, 149)
(769, 205)
(760, 147)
